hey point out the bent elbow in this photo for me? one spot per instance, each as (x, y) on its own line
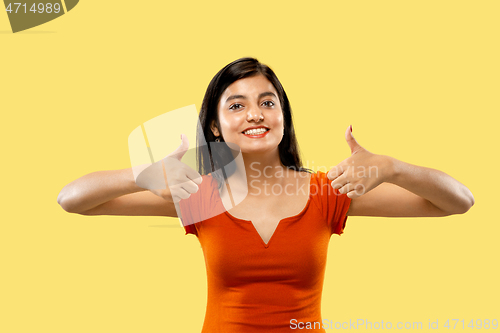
(468, 202)
(460, 208)
(463, 210)
(465, 206)
(61, 200)
(67, 204)
(464, 202)
(472, 200)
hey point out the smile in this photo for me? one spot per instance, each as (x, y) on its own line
(256, 132)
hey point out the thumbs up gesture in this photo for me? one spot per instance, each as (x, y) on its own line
(170, 178)
(182, 180)
(361, 172)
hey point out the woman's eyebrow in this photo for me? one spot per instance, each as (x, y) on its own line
(264, 94)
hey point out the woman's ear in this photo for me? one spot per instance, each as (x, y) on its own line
(214, 128)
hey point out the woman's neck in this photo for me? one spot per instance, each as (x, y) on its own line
(263, 167)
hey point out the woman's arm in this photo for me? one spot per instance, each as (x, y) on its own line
(118, 192)
(114, 192)
(413, 191)
(384, 186)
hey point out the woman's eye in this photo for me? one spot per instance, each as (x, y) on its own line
(233, 107)
(271, 103)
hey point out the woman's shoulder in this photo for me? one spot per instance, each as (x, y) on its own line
(208, 183)
(319, 177)
(209, 178)
(314, 177)
(320, 185)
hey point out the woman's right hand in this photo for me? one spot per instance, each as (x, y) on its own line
(170, 178)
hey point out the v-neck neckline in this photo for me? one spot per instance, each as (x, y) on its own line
(302, 212)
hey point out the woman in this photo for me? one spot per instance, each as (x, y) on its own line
(266, 255)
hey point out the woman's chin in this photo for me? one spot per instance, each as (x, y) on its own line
(258, 150)
(255, 146)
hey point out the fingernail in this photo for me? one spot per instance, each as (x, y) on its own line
(350, 127)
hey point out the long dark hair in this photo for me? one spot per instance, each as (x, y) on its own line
(209, 161)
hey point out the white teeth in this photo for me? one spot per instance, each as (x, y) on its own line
(256, 131)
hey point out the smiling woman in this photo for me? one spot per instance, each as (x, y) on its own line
(266, 256)
(240, 115)
(239, 98)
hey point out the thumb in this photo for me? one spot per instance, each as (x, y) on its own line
(182, 149)
(353, 144)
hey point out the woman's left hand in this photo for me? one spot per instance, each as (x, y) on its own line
(361, 172)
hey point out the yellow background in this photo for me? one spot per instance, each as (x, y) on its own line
(417, 80)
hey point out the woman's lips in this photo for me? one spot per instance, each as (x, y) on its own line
(261, 135)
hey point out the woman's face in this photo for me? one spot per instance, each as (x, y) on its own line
(250, 115)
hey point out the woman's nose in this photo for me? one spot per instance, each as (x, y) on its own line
(255, 114)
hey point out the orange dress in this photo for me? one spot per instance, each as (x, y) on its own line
(258, 287)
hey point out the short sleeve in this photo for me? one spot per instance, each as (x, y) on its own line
(187, 219)
(188, 216)
(199, 206)
(334, 205)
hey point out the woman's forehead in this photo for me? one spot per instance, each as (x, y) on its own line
(248, 87)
